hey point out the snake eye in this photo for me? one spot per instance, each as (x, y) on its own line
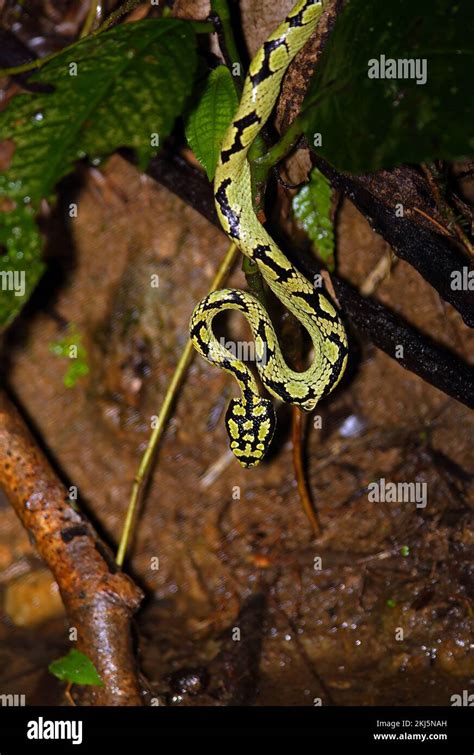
(250, 425)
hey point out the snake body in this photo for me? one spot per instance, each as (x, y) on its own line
(250, 419)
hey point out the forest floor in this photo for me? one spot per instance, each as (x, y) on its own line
(328, 632)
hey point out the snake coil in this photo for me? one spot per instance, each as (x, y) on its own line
(250, 419)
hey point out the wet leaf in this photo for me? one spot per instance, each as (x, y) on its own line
(71, 347)
(76, 668)
(312, 209)
(208, 122)
(123, 88)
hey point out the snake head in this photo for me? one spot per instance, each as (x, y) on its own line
(250, 424)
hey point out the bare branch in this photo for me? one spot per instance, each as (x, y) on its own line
(99, 600)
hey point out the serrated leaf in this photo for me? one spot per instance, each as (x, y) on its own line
(312, 209)
(208, 122)
(372, 123)
(123, 88)
(76, 668)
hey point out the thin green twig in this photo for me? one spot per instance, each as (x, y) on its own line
(203, 27)
(90, 19)
(126, 7)
(37, 63)
(31, 65)
(282, 148)
(163, 416)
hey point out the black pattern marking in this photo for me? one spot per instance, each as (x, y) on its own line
(335, 369)
(207, 305)
(195, 335)
(260, 331)
(235, 297)
(312, 298)
(280, 390)
(250, 435)
(247, 392)
(265, 71)
(262, 253)
(297, 21)
(231, 366)
(232, 218)
(240, 125)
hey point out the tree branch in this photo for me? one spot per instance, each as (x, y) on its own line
(431, 254)
(421, 355)
(99, 600)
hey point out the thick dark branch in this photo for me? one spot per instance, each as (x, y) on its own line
(421, 354)
(188, 183)
(14, 53)
(431, 254)
(386, 330)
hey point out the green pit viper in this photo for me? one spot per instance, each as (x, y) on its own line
(250, 419)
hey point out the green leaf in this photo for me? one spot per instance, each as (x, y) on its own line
(208, 122)
(20, 265)
(312, 209)
(76, 668)
(372, 123)
(71, 347)
(123, 88)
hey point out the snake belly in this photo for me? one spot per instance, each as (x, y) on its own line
(250, 419)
